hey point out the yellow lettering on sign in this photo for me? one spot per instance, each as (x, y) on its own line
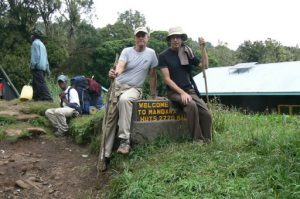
(153, 105)
(152, 111)
(148, 118)
(180, 117)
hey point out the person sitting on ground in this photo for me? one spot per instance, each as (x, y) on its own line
(70, 106)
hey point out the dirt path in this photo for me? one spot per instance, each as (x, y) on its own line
(48, 168)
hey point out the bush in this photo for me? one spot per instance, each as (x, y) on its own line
(86, 128)
(17, 69)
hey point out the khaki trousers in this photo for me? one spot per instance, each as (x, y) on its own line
(58, 117)
(198, 116)
(119, 114)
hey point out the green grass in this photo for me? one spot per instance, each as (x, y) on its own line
(54, 89)
(5, 120)
(252, 156)
(38, 108)
(86, 129)
(17, 125)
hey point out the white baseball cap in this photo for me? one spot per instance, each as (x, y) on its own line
(140, 29)
(62, 78)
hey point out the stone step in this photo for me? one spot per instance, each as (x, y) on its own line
(27, 117)
(18, 132)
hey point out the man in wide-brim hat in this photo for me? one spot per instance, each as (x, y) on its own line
(176, 64)
(176, 31)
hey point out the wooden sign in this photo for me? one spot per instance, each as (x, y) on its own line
(157, 111)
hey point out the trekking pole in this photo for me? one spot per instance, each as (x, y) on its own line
(104, 122)
(204, 65)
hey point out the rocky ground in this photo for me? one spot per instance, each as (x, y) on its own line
(47, 167)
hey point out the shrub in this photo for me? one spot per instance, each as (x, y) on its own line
(86, 128)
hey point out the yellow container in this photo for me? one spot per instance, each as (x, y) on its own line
(26, 93)
(93, 110)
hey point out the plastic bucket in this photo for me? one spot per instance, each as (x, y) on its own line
(26, 93)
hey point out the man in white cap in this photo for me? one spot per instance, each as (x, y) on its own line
(70, 106)
(176, 64)
(131, 71)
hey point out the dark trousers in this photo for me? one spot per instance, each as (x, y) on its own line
(198, 116)
(39, 86)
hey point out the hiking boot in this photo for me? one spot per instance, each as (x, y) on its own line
(75, 114)
(123, 148)
(59, 134)
(198, 141)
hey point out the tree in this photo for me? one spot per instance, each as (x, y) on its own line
(104, 57)
(116, 31)
(132, 19)
(22, 15)
(263, 52)
(251, 52)
(221, 55)
(158, 41)
(73, 11)
(46, 9)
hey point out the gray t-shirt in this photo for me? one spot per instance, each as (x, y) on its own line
(137, 65)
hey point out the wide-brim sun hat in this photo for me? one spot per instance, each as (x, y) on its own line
(177, 31)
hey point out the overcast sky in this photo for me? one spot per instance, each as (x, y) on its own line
(230, 21)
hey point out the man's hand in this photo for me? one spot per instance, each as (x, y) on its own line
(62, 95)
(112, 74)
(204, 59)
(185, 98)
(201, 41)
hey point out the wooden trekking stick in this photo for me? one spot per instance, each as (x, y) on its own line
(111, 91)
(204, 66)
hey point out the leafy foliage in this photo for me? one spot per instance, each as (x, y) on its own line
(132, 19)
(265, 52)
(104, 58)
(76, 47)
(86, 128)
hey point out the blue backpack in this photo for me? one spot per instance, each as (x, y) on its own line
(89, 92)
(81, 85)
